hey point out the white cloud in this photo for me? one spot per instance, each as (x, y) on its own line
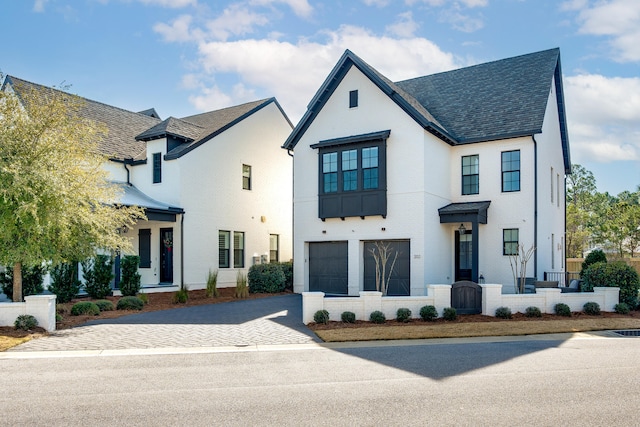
(378, 3)
(300, 7)
(174, 4)
(404, 26)
(461, 21)
(603, 115)
(178, 31)
(210, 99)
(38, 5)
(235, 20)
(617, 19)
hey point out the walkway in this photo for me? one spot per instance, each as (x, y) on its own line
(263, 321)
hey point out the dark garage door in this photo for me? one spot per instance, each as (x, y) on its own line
(328, 267)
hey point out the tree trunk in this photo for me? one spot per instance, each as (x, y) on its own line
(17, 282)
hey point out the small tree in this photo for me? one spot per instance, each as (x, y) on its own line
(518, 261)
(97, 274)
(382, 253)
(64, 281)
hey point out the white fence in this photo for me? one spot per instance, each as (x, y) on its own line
(42, 307)
(440, 297)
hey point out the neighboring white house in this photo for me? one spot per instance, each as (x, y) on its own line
(454, 170)
(216, 187)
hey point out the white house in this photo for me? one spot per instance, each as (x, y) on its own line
(454, 170)
(216, 187)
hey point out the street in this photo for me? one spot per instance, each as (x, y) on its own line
(527, 381)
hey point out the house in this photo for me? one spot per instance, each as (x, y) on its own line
(452, 172)
(216, 187)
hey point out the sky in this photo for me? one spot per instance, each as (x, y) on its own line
(184, 57)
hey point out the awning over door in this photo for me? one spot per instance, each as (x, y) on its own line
(155, 210)
(475, 212)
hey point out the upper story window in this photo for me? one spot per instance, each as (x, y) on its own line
(510, 241)
(511, 171)
(246, 177)
(470, 174)
(353, 99)
(352, 178)
(157, 168)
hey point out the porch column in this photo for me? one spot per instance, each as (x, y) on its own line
(475, 245)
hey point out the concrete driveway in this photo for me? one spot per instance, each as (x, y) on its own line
(264, 321)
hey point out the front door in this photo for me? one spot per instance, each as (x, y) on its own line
(464, 256)
(166, 255)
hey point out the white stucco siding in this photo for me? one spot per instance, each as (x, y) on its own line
(116, 171)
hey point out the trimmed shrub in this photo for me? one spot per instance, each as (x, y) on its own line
(377, 317)
(287, 269)
(25, 322)
(449, 313)
(31, 280)
(592, 258)
(97, 274)
(348, 317)
(614, 274)
(428, 313)
(533, 312)
(622, 308)
(144, 298)
(212, 284)
(321, 316)
(64, 282)
(181, 296)
(503, 313)
(562, 309)
(403, 315)
(85, 307)
(104, 305)
(591, 308)
(130, 303)
(130, 278)
(266, 278)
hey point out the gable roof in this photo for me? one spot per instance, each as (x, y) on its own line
(495, 100)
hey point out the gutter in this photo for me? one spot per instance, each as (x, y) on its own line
(535, 204)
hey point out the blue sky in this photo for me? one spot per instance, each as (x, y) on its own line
(183, 57)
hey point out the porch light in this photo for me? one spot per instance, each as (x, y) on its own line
(461, 229)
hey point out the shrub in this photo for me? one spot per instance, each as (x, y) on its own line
(64, 282)
(622, 308)
(130, 303)
(144, 298)
(85, 307)
(503, 313)
(428, 312)
(591, 308)
(449, 313)
(242, 291)
(25, 322)
(181, 296)
(377, 317)
(104, 305)
(614, 274)
(130, 278)
(593, 257)
(562, 309)
(533, 312)
(97, 274)
(287, 269)
(321, 316)
(403, 315)
(266, 278)
(31, 281)
(212, 284)
(348, 317)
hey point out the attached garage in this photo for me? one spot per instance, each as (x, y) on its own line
(400, 280)
(328, 267)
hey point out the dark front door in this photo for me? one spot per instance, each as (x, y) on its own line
(329, 267)
(400, 277)
(166, 255)
(464, 256)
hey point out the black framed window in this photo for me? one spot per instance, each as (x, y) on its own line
(224, 238)
(330, 172)
(349, 170)
(511, 171)
(246, 177)
(144, 247)
(370, 168)
(470, 174)
(353, 98)
(510, 240)
(238, 249)
(157, 168)
(274, 248)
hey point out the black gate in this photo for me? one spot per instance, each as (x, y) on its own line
(466, 297)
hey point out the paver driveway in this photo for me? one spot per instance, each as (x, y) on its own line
(262, 321)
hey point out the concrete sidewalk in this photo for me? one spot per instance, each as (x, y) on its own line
(265, 321)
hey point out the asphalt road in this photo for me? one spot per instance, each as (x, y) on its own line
(592, 380)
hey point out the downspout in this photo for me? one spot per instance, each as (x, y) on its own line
(293, 186)
(182, 250)
(124, 163)
(535, 205)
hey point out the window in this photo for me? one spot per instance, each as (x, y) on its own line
(370, 168)
(553, 249)
(510, 241)
(330, 172)
(353, 98)
(350, 170)
(274, 245)
(551, 181)
(144, 247)
(238, 249)
(246, 177)
(470, 174)
(511, 171)
(157, 168)
(223, 249)
(558, 190)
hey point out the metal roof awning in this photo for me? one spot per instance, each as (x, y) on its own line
(155, 210)
(475, 212)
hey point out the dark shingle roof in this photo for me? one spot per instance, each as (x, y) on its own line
(173, 127)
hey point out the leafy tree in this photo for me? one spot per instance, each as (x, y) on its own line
(581, 191)
(56, 203)
(64, 281)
